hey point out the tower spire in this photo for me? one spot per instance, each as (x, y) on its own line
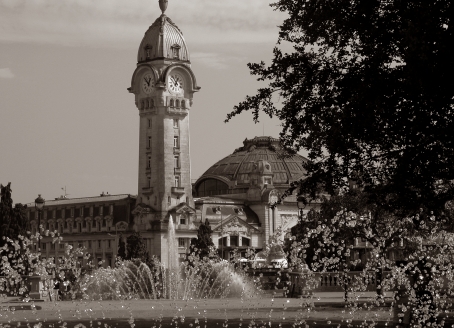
(163, 5)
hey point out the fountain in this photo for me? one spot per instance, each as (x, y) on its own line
(171, 280)
(172, 248)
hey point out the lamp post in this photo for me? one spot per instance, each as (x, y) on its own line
(39, 205)
(301, 202)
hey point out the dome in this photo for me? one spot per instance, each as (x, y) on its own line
(234, 171)
(163, 40)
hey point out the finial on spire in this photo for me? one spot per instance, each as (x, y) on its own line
(163, 5)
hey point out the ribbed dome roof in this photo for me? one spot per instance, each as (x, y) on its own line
(160, 40)
(238, 165)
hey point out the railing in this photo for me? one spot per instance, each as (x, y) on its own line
(332, 281)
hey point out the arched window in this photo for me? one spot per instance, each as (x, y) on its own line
(171, 103)
(177, 103)
(210, 187)
(183, 104)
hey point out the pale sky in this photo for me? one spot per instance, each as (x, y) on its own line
(66, 118)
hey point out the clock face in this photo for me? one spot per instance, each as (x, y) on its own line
(148, 83)
(175, 83)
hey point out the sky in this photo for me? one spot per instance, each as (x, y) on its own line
(66, 118)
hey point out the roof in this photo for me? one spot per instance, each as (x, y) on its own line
(237, 166)
(160, 38)
(85, 200)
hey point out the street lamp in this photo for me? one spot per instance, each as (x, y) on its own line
(301, 202)
(39, 205)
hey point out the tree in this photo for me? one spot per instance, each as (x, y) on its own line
(136, 248)
(366, 89)
(325, 239)
(121, 248)
(203, 245)
(13, 224)
(13, 221)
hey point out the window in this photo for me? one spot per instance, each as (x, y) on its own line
(101, 210)
(66, 225)
(61, 246)
(108, 243)
(267, 181)
(149, 142)
(176, 144)
(98, 225)
(175, 122)
(182, 219)
(183, 104)
(171, 103)
(181, 242)
(99, 243)
(149, 182)
(176, 161)
(222, 241)
(89, 244)
(149, 162)
(234, 241)
(81, 212)
(72, 212)
(54, 214)
(44, 246)
(111, 209)
(91, 211)
(176, 51)
(149, 122)
(148, 48)
(177, 103)
(52, 246)
(84, 223)
(79, 227)
(104, 223)
(211, 187)
(177, 181)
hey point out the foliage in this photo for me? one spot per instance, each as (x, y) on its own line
(366, 90)
(345, 218)
(203, 245)
(325, 241)
(13, 221)
(136, 248)
(121, 248)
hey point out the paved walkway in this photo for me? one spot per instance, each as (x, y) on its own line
(328, 307)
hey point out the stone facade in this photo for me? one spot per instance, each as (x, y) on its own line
(95, 223)
(236, 195)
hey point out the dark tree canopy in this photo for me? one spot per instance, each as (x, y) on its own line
(367, 90)
(13, 220)
(136, 248)
(121, 248)
(203, 244)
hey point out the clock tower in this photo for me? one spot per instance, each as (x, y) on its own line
(163, 85)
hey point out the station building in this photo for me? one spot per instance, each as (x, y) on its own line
(235, 194)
